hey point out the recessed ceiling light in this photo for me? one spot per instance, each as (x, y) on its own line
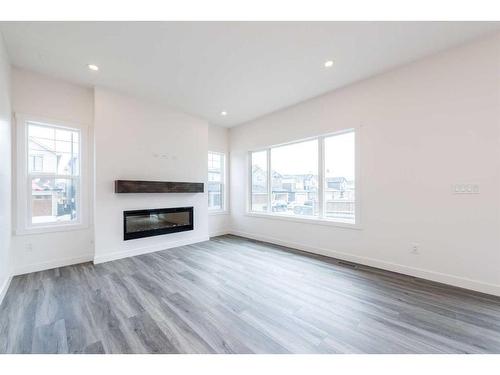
(328, 64)
(223, 113)
(93, 67)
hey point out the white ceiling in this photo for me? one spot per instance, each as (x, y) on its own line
(245, 68)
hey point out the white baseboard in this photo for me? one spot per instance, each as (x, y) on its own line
(219, 233)
(461, 282)
(453, 280)
(4, 287)
(145, 250)
(42, 266)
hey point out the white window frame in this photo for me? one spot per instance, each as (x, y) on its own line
(320, 219)
(223, 183)
(24, 225)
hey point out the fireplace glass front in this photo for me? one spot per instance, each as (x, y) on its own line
(154, 222)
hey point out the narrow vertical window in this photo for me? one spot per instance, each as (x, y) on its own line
(340, 183)
(294, 179)
(216, 181)
(53, 155)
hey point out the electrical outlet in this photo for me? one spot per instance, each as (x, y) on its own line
(415, 248)
(29, 247)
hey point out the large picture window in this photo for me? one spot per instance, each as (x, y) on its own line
(312, 179)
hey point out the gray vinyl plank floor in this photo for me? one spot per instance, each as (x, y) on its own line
(234, 295)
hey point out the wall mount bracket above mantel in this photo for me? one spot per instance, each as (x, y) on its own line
(129, 186)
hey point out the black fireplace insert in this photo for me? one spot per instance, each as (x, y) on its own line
(155, 222)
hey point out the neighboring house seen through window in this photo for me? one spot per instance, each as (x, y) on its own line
(310, 179)
(53, 155)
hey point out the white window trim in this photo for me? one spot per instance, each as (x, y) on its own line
(224, 210)
(23, 222)
(318, 220)
(306, 219)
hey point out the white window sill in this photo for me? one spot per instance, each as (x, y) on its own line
(49, 229)
(314, 221)
(217, 212)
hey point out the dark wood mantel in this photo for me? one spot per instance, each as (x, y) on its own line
(129, 186)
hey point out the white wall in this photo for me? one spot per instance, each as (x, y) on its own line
(218, 141)
(42, 96)
(136, 140)
(422, 128)
(5, 171)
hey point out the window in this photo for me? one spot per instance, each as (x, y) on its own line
(216, 181)
(294, 179)
(52, 158)
(312, 179)
(340, 177)
(259, 181)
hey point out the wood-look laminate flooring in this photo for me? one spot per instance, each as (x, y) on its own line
(233, 295)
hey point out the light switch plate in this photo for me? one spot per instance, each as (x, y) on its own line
(465, 189)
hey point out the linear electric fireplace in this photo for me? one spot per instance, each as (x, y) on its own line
(147, 223)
